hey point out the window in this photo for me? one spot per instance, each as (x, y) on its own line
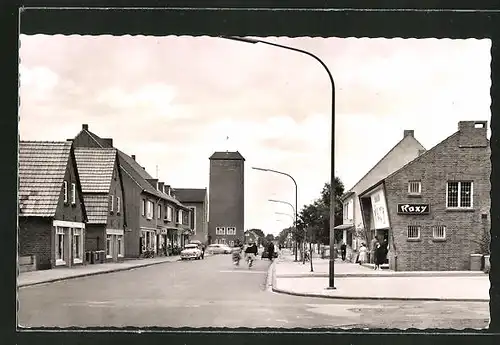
(111, 202)
(231, 231)
(119, 239)
(169, 214)
(185, 217)
(60, 246)
(73, 193)
(220, 231)
(193, 218)
(414, 187)
(345, 210)
(65, 188)
(439, 232)
(413, 232)
(158, 212)
(143, 207)
(149, 210)
(77, 245)
(231, 243)
(118, 204)
(179, 216)
(109, 248)
(459, 195)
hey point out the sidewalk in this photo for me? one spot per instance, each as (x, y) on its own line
(353, 281)
(56, 274)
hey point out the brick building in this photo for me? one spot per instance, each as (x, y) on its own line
(434, 209)
(51, 211)
(226, 198)
(156, 221)
(196, 199)
(102, 191)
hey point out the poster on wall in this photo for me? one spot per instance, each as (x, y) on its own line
(380, 216)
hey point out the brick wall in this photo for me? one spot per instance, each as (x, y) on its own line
(449, 160)
(35, 238)
(226, 197)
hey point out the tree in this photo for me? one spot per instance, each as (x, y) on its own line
(269, 238)
(260, 234)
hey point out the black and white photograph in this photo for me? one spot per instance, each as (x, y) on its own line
(186, 181)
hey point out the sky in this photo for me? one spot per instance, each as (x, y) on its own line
(172, 101)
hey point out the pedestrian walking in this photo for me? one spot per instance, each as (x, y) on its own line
(373, 247)
(270, 250)
(343, 250)
(363, 254)
(202, 251)
(379, 255)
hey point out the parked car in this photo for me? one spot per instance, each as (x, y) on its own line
(218, 249)
(191, 251)
(198, 243)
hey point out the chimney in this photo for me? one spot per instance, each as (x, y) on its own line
(143, 168)
(85, 127)
(472, 134)
(108, 141)
(160, 186)
(408, 133)
(420, 152)
(133, 157)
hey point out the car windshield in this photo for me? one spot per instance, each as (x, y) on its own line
(190, 246)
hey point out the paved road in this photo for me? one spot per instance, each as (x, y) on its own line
(213, 293)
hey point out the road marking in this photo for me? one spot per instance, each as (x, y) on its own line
(242, 271)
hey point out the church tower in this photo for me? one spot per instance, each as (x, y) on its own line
(226, 198)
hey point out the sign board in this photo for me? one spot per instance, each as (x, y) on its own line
(380, 216)
(413, 208)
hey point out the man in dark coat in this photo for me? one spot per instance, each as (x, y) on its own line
(270, 250)
(343, 250)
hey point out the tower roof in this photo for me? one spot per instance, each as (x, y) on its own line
(234, 156)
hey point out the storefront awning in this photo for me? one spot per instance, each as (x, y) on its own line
(343, 227)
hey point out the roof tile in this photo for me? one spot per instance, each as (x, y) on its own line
(95, 167)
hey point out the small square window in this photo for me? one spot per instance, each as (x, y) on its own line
(414, 187)
(413, 232)
(439, 232)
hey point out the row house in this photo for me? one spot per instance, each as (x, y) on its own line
(102, 190)
(52, 215)
(352, 231)
(157, 222)
(197, 201)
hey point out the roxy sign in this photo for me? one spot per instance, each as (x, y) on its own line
(413, 208)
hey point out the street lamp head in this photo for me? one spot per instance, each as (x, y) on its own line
(241, 39)
(260, 169)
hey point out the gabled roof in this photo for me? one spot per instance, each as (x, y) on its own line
(95, 167)
(133, 169)
(227, 156)
(385, 156)
(42, 166)
(97, 208)
(416, 160)
(190, 194)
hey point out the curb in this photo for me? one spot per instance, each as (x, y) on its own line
(384, 275)
(286, 292)
(93, 274)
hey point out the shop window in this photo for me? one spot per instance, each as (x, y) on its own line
(60, 246)
(413, 232)
(459, 194)
(220, 231)
(109, 248)
(414, 187)
(439, 232)
(77, 245)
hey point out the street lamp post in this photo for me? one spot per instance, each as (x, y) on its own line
(294, 225)
(331, 274)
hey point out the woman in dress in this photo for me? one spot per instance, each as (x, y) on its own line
(363, 254)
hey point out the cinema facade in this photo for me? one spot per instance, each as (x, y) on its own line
(434, 210)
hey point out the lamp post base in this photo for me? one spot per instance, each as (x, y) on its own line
(331, 288)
